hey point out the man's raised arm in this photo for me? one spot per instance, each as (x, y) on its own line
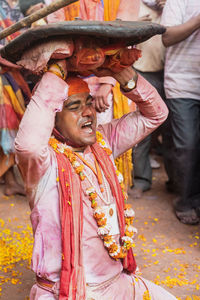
(32, 151)
(124, 133)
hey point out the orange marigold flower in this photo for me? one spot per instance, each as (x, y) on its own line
(107, 238)
(102, 222)
(128, 233)
(127, 221)
(71, 157)
(108, 151)
(99, 216)
(79, 169)
(94, 204)
(53, 143)
(82, 177)
(93, 196)
(127, 206)
(113, 248)
(122, 185)
(123, 252)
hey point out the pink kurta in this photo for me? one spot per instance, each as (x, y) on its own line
(38, 165)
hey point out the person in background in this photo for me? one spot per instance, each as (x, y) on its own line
(182, 88)
(14, 92)
(151, 67)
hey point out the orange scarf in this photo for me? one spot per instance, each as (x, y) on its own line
(72, 281)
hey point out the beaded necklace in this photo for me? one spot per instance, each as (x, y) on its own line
(115, 250)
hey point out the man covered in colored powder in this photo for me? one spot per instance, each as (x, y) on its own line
(82, 227)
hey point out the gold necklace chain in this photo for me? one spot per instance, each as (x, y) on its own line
(108, 202)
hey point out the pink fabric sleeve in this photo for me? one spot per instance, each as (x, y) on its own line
(107, 80)
(32, 151)
(122, 134)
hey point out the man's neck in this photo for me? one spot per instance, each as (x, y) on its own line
(80, 149)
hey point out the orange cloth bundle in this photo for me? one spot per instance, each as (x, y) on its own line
(118, 58)
(89, 55)
(84, 54)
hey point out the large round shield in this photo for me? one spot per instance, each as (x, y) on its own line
(131, 33)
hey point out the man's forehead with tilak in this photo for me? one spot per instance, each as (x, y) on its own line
(77, 121)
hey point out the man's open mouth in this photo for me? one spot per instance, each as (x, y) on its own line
(87, 127)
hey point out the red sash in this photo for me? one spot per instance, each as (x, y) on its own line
(72, 282)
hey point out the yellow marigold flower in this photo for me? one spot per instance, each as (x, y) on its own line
(128, 245)
(146, 296)
(14, 281)
(142, 238)
(99, 135)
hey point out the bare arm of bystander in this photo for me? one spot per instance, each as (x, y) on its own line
(176, 34)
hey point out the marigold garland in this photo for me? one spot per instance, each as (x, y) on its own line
(115, 250)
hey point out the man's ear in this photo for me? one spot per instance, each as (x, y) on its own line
(56, 119)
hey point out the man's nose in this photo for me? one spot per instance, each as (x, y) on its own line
(87, 111)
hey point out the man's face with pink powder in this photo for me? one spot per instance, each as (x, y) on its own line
(77, 121)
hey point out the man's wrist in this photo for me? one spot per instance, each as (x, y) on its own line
(57, 70)
(130, 84)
